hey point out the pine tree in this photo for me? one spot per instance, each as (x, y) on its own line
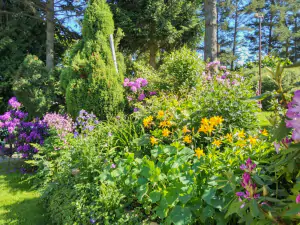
(155, 26)
(90, 80)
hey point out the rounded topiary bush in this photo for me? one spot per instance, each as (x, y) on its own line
(90, 79)
(181, 69)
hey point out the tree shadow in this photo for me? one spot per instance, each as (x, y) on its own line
(26, 212)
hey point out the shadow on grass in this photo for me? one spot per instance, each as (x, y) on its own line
(10, 173)
(26, 212)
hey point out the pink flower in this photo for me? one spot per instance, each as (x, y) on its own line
(277, 146)
(142, 97)
(126, 81)
(129, 98)
(13, 102)
(298, 199)
(133, 88)
(113, 166)
(222, 67)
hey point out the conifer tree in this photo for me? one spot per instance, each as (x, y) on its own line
(90, 80)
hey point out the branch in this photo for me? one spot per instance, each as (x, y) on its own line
(24, 14)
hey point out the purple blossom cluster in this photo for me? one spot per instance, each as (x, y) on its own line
(84, 123)
(18, 134)
(63, 124)
(31, 132)
(136, 90)
(293, 113)
(214, 71)
(247, 183)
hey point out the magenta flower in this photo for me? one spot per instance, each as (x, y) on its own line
(152, 93)
(126, 82)
(142, 97)
(133, 88)
(113, 166)
(13, 102)
(298, 199)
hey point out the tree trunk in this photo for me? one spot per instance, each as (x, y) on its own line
(50, 35)
(235, 32)
(295, 41)
(210, 40)
(153, 52)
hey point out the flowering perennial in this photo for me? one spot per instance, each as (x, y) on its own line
(293, 113)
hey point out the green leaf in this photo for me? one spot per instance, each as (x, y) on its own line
(162, 209)
(208, 195)
(295, 209)
(185, 198)
(144, 140)
(170, 150)
(258, 180)
(181, 215)
(154, 196)
(260, 97)
(172, 195)
(234, 207)
(141, 191)
(254, 208)
(281, 132)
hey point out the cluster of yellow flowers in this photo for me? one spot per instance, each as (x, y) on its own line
(208, 125)
(148, 121)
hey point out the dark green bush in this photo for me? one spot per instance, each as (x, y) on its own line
(37, 89)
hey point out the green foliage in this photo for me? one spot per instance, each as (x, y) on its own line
(157, 25)
(90, 79)
(181, 70)
(36, 89)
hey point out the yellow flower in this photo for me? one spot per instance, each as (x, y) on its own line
(217, 142)
(147, 121)
(211, 156)
(205, 121)
(265, 132)
(229, 137)
(199, 152)
(165, 123)
(241, 143)
(216, 120)
(210, 129)
(252, 140)
(165, 132)
(160, 114)
(187, 139)
(185, 130)
(153, 140)
(241, 134)
(203, 129)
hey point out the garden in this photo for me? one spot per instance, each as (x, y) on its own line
(116, 133)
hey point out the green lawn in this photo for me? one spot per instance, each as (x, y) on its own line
(18, 204)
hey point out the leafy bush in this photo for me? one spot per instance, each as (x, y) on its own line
(35, 87)
(180, 70)
(90, 78)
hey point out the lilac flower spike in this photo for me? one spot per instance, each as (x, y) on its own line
(298, 199)
(293, 113)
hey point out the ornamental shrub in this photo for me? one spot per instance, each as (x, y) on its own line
(180, 70)
(90, 79)
(35, 88)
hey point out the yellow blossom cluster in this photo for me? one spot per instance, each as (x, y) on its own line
(147, 121)
(208, 125)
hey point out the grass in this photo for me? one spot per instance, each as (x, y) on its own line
(263, 119)
(19, 205)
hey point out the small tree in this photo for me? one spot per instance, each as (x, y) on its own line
(90, 78)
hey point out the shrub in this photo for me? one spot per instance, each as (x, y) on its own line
(35, 87)
(90, 78)
(180, 70)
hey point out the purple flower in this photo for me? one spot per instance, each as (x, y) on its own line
(109, 134)
(6, 116)
(142, 97)
(129, 98)
(298, 199)
(277, 147)
(243, 167)
(13, 102)
(144, 82)
(136, 109)
(133, 88)
(118, 117)
(126, 82)
(113, 166)
(222, 67)
(152, 93)
(240, 194)
(92, 221)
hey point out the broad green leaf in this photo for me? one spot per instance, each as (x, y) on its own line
(281, 132)
(162, 209)
(181, 215)
(260, 97)
(254, 209)
(295, 209)
(141, 191)
(154, 196)
(234, 207)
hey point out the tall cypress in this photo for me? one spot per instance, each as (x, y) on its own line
(90, 78)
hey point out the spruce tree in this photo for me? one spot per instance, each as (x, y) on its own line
(90, 80)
